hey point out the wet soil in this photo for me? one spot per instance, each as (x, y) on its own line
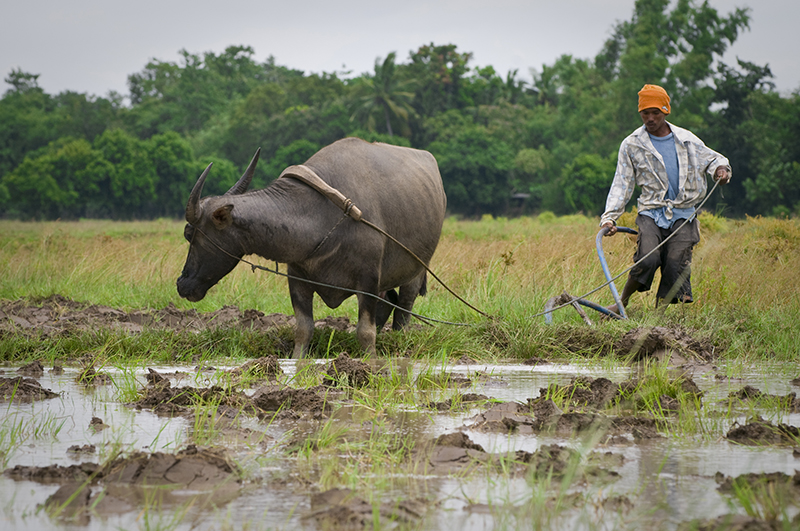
(600, 393)
(90, 376)
(748, 393)
(265, 367)
(192, 467)
(346, 371)
(661, 342)
(98, 486)
(454, 452)
(21, 389)
(759, 432)
(56, 314)
(343, 509)
(459, 402)
(269, 399)
(564, 411)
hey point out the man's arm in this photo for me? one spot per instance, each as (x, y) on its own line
(620, 192)
(722, 174)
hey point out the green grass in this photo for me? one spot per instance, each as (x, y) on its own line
(742, 273)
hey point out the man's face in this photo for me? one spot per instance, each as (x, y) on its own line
(654, 121)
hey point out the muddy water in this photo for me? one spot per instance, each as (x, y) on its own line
(661, 482)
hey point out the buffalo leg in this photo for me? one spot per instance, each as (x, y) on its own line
(408, 294)
(365, 329)
(383, 311)
(302, 295)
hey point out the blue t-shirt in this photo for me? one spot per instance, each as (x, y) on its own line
(665, 145)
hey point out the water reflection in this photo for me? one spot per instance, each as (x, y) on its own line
(670, 480)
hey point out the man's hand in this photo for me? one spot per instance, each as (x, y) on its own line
(722, 175)
(612, 228)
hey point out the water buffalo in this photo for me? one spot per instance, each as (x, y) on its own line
(398, 189)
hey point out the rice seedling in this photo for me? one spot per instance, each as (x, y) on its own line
(17, 428)
(766, 498)
(127, 384)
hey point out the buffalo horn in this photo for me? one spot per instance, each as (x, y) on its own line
(193, 206)
(244, 181)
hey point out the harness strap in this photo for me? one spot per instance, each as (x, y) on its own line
(308, 176)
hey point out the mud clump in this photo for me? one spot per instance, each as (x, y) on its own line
(35, 369)
(154, 378)
(542, 415)
(458, 440)
(640, 428)
(92, 485)
(549, 459)
(85, 449)
(759, 432)
(600, 393)
(274, 399)
(772, 481)
(23, 390)
(456, 451)
(90, 376)
(195, 468)
(505, 418)
(342, 509)
(585, 392)
(443, 379)
(748, 392)
(459, 402)
(266, 367)
(345, 370)
(55, 473)
(166, 400)
(663, 343)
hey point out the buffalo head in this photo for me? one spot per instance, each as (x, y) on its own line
(214, 250)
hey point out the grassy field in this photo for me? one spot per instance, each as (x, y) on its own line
(744, 271)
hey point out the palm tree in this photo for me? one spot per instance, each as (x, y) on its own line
(385, 95)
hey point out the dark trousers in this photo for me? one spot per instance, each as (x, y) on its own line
(674, 258)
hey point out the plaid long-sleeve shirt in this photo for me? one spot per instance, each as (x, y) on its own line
(639, 163)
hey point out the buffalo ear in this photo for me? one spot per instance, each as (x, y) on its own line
(222, 217)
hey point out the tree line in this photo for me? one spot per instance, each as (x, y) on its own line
(504, 146)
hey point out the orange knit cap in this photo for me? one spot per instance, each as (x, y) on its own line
(653, 96)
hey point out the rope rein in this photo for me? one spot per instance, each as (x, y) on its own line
(309, 177)
(254, 267)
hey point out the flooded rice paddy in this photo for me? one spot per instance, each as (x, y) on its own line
(397, 444)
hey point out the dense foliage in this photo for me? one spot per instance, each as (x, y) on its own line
(503, 145)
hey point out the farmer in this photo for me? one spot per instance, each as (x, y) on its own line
(669, 164)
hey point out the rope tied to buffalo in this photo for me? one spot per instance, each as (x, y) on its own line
(307, 176)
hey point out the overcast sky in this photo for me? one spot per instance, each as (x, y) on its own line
(93, 45)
